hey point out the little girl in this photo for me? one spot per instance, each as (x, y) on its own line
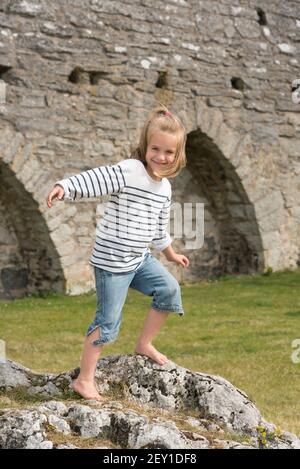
(136, 215)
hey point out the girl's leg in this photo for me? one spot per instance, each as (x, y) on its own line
(153, 322)
(111, 295)
(84, 384)
(154, 280)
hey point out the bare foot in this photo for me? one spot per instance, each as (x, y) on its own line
(151, 352)
(86, 389)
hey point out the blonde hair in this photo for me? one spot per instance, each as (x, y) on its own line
(161, 119)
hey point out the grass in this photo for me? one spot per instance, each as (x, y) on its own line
(238, 327)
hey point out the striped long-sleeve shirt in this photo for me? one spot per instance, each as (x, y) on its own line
(136, 214)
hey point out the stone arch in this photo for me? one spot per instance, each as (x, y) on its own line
(29, 262)
(233, 234)
(214, 175)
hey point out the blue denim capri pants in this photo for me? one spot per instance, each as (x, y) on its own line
(150, 278)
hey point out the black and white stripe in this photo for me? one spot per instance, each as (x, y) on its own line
(95, 182)
(136, 214)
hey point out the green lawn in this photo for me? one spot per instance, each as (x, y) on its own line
(240, 328)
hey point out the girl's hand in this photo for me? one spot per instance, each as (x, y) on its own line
(181, 259)
(57, 192)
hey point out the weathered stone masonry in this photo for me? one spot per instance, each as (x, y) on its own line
(80, 78)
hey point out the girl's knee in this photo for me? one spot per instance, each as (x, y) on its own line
(168, 296)
(173, 288)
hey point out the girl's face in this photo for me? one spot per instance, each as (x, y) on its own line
(161, 151)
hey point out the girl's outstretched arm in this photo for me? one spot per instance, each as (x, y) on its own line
(102, 180)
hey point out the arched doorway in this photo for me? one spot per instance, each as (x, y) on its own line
(29, 262)
(232, 243)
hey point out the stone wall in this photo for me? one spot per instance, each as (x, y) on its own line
(80, 78)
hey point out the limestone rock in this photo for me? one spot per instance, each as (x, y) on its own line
(89, 423)
(219, 410)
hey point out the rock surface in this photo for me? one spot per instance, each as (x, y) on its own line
(144, 406)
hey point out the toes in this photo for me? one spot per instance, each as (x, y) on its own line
(154, 355)
(162, 360)
(86, 393)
